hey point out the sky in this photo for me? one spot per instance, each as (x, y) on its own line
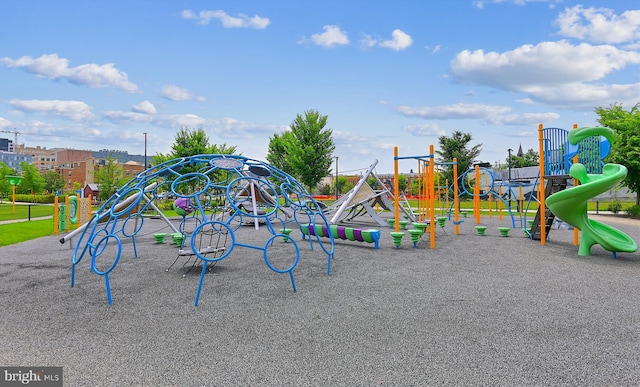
(99, 74)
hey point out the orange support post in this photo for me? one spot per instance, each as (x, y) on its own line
(521, 199)
(67, 213)
(543, 230)
(55, 215)
(456, 199)
(490, 204)
(476, 195)
(576, 182)
(500, 204)
(396, 188)
(432, 223)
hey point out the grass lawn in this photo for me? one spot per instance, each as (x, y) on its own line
(22, 211)
(23, 231)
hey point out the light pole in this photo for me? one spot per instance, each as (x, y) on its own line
(145, 151)
(336, 157)
(509, 176)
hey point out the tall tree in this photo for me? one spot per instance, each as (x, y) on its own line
(277, 151)
(192, 142)
(308, 148)
(32, 181)
(456, 147)
(53, 181)
(625, 149)
(109, 178)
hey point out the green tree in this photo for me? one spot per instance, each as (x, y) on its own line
(53, 181)
(373, 182)
(343, 182)
(529, 159)
(456, 147)
(277, 151)
(5, 187)
(625, 149)
(194, 142)
(109, 178)
(32, 180)
(403, 182)
(308, 149)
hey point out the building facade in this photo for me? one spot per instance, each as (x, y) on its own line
(13, 160)
(42, 158)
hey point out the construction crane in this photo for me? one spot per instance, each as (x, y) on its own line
(15, 132)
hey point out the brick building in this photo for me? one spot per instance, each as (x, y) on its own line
(42, 158)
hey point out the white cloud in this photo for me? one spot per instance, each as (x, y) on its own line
(599, 25)
(179, 120)
(545, 63)
(523, 119)
(226, 128)
(53, 67)
(586, 96)
(175, 93)
(145, 107)
(331, 36)
(367, 41)
(73, 110)
(4, 123)
(120, 117)
(549, 69)
(425, 130)
(399, 41)
(163, 120)
(241, 21)
(456, 111)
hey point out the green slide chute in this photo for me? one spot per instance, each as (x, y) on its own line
(571, 205)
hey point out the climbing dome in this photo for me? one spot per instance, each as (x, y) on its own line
(215, 195)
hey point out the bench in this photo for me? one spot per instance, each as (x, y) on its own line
(342, 232)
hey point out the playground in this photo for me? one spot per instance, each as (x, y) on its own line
(486, 309)
(255, 283)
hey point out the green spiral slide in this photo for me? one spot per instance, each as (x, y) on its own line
(571, 205)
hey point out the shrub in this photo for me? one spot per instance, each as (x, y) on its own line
(634, 211)
(615, 206)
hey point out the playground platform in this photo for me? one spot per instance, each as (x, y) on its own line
(477, 310)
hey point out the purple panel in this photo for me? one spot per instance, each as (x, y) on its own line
(358, 234)
(341, 233)
(311, 229)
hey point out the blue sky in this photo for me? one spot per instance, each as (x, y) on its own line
(98, 74)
